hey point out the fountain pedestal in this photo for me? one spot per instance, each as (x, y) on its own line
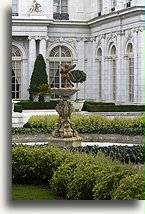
(65, 130)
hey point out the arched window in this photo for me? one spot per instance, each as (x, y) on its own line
(113, 71)
(99, 58)
(130, 66)
(58, 55)
(16, 73)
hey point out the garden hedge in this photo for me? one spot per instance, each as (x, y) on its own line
(88, 106)
(75, 176)
(29, 105)
(97, 124)
(18, 108)
(95, 107)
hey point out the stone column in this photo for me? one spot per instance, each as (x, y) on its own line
(135, 49)
(32, 55)
(81, 49)
(103, 68)
(93, 70)
(125, 81)
(42, 47)
(140, 67)
(119, 69)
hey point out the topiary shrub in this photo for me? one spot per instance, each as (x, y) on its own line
(39, 76)
(78, 76)
(130, 188)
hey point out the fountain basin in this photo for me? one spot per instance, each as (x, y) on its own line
(65, 92)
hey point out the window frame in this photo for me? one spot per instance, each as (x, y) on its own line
(17, 60)
(58, 60)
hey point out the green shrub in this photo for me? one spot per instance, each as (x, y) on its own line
(62, 176)
(99, 107)
(29, 105)
(130, 188)
(97, 103)
(18, 108)
(34, 165)
(32, 131)
(82, 180)
(124, 154)
(108, 180)
(76, 176)
(93, 124)
(39, 76)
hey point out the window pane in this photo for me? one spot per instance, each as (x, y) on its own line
(64, 9)
(54, 66)
(56, 6)
(16, 79)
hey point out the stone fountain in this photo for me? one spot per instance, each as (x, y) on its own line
(65, 132)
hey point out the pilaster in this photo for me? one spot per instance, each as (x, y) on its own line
(32, 55)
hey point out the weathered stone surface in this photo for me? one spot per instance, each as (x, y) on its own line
(65, 92)
(85, 138)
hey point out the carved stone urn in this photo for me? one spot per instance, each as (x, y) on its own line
(65, 128)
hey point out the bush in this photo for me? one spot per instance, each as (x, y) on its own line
(82, 180)
(62, 176)
(76, 176)
(21, 130)
(130, 188)
(29, 105)
(35, 165)
(107, 180)
(93, 124)
(18, 108)
(124, 154)
(99, 107)
(39, 76)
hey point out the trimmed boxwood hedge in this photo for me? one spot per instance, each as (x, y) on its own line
(88, 106)
(98, 107)
(29, 105)
(18, 108)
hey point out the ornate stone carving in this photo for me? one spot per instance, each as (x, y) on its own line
(64, 128)
(129, 35)
(35, 8)
(66, 75)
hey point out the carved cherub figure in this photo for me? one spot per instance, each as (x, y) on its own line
(36, 7)
(66, 75)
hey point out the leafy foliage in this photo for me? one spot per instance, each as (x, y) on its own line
(108, 180)
(74, 175)
(108, 107)
(39, 75)
(78, 76)
(88, 124)
(130, 188)
(44, 89)
(125, 154)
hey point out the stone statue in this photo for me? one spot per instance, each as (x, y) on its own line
(36, 7)
(66, 75)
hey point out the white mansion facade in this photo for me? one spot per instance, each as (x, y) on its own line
(104, 38)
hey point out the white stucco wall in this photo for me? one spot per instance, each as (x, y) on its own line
(83, 34)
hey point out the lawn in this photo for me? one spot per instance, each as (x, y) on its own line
(27, 192)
